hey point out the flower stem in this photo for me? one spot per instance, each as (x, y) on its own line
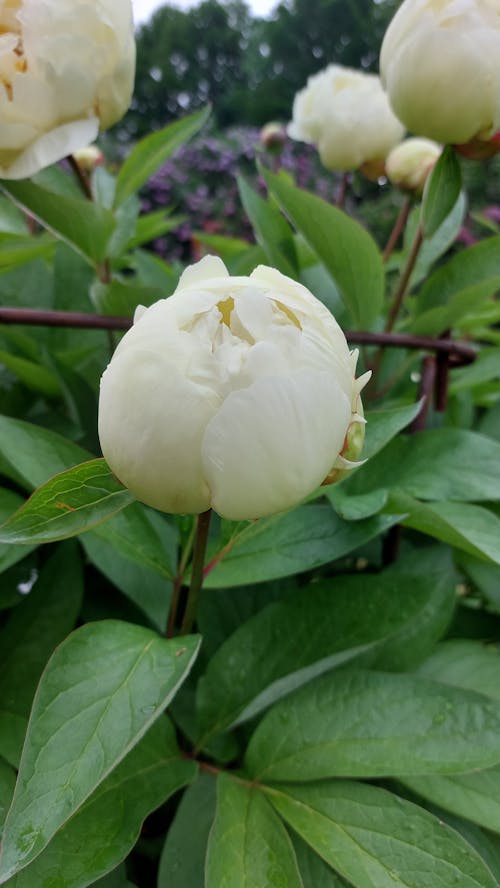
(178, 582)
(82, 177)
(398, 229)
(405, 280)
(343, 188)
(200, 545)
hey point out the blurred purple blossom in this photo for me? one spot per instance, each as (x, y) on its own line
(199, 182)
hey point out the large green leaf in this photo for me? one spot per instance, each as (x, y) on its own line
(472, 528)
(322, 626)
(33, 454)
(373, 724)
(376, 840)
(17, 250)
(440, 464)
(285, 544)
(346, 249)
(152, 151)
(314, 871)
(84, 225)
(107, 825)
(465, 663)
(272, 231)
(9, 555)
(248, 844)
(102, 689)
(7, 783)
(434, 320)
(141, 536)
(67, 504)
(475, 265)
(474, 796)
(182, 862)
(29, 636)
(441, 192)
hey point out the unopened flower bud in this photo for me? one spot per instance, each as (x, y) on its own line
(272, 137)
(346, 115)
(89, 158)
(66, 69)
(409, 163)
(439, 64)
(235, 393)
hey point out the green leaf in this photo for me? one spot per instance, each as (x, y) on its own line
(435, 246)
(15, 251)
(347, 250)
(9, 555)
(182, 862)
(475, 265)
(290, 543)
(102, 689)
(464, 663)
(248, 843)
(272, 231)
(376, 840)
(34, 453)
(472, 528)
(439, 464)
(145, 587)
(34, 375)
(7, 783)
(152, 225)
(441, 317)
(485, 578)
(84, 225)
(67, 505)
(120, 298)
(141, 536)
(107, 825)
(441, 192)
(314, 871)
(473, 796)
(322, 626)
(12, 734)
(383, 425)
(37, 625)
(374, 724)
(152, 151)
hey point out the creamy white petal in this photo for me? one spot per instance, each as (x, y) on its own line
(151, 425)
(51, 147)
(200, 272)
(269, 445)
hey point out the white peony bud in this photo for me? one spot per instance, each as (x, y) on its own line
(409, 163)
(66, 68)
(346, 115)
(89, 158)
(235, 393)
(439, 64)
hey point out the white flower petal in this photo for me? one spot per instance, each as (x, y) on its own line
(51, 147)
(200, 272)
(269, 445)
(151, 425)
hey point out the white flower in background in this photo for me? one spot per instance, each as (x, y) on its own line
(410, 162)
(346, 115)
(235, 393)
(66, 68)
(440, 65)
